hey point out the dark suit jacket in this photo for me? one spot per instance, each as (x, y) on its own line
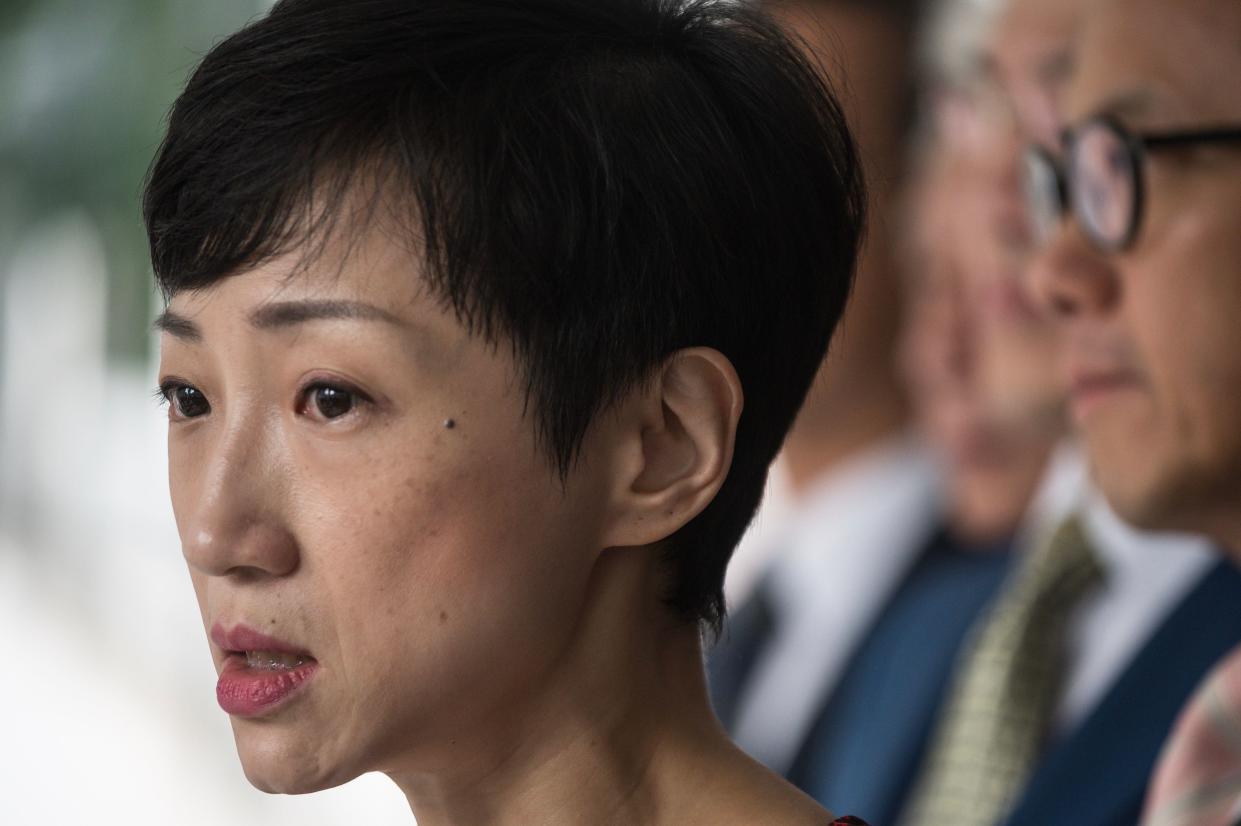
(1097, 775)
(862, 748)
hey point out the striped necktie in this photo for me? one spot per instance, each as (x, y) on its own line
(1002, 699)
(1197, 780)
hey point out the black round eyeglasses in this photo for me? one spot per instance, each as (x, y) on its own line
(1100, 179)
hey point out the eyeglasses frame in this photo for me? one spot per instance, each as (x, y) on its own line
(1139, 144)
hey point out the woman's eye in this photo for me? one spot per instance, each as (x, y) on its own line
(184, 401)
(329, 402)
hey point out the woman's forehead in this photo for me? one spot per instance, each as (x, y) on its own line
(368, 273)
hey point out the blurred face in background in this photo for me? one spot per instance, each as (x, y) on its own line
(864, 52)
(1025, 63)
(1030, 57)
(993, 459)
(1151, 330)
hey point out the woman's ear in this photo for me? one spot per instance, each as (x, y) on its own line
(675, 447)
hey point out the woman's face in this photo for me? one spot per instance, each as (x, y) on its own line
(362, 505)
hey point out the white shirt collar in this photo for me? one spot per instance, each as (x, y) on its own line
(848, 546)
(1118, 546)
(863, 519)
(1145, 576)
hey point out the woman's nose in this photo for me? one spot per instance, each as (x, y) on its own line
(1070, 278)
(255, 550)
(234, 518)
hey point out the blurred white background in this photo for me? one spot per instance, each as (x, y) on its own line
(106, 689)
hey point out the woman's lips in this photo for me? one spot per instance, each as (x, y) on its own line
(259, 673)
(244, 690)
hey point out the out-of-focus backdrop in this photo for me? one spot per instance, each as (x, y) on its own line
(106, 685)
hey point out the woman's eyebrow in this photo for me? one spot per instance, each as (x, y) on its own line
(291, 313)
(177, 326)
(282, 314)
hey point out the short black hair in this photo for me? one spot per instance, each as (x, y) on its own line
(596, 183)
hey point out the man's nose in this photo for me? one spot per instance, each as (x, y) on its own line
(235, 524)
(954, 346)
(1070, 278)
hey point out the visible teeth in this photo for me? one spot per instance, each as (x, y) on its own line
(273, 660)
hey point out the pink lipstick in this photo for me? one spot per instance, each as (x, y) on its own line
(259, 673)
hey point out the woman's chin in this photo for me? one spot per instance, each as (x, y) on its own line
(289, 779)
(278, 768)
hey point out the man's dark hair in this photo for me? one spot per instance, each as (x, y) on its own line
(595, 183)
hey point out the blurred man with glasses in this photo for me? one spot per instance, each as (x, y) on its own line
(1059, 710)
(1140, 203)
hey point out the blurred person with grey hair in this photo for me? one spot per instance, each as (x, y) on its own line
(833, 670)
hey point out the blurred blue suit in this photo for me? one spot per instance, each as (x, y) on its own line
(1097, 774)
(864, 745)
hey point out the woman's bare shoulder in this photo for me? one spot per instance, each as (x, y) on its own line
(756, 795)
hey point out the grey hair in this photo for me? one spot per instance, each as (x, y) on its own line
(954, 35)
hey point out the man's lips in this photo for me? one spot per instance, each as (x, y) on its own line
(1090, 387)
(259, 672)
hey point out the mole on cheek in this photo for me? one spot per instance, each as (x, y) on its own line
(443, 617)
(449, 424)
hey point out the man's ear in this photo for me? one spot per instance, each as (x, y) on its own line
(675, 446)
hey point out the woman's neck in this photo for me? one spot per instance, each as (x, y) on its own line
(608, 737)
